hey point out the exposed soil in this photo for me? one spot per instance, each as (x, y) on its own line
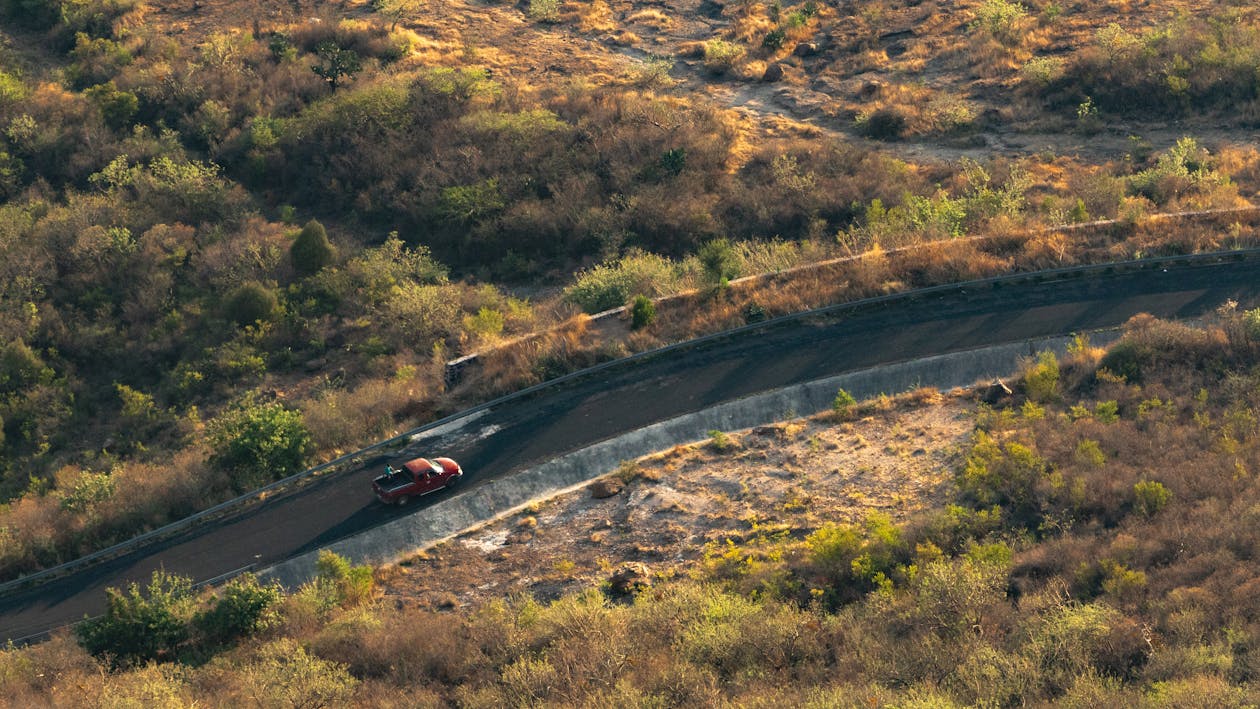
(683, 502)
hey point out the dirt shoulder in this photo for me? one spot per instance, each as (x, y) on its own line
(665, 511)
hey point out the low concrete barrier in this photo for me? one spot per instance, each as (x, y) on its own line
(445, 519)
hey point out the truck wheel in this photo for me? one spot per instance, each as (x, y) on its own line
(402, 501)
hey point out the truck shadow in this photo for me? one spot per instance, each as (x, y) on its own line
(373, 514)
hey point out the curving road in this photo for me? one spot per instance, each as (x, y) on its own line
(522, 431)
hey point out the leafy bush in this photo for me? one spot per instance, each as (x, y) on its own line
(244, 608)
(547, 11)
(349, 585)
(1191, 63)
(1182, 168)
(251, 303)
(720, 442)
(1006, 475)
(642, 312)
(1041, 381)
(140, 626)
(284, 674)
(1150, 496)
(612, 283)
(1001, 20)
(310, 251)
(259, 442)
(721, 56)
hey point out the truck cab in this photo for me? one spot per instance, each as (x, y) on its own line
(416, 477)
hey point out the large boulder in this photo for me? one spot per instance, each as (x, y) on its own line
(606, 487)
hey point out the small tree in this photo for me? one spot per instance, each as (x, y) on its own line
(336, 63)
(139, 626)
(843, 404)
(311, 251)
(397, 10)
(259, 443)
(642, 312)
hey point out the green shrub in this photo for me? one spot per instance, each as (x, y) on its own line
(642, 312)
(1041, 381)
(244, 608)
(719, 441)
(251, 303)
(310, 251)
(88, 490)
(140, 626)
(547, 11)
(350, 585)
(1149, 497)
(21, 367)
(843, 404)
(612, 283)
(259, 442)
(720, 261)
(467, 204)
(1089, 454)
(1042, 71)
(488, 322)
(721, 56)
(1003, 474)
(117, 107)
(1251, 324)
(1001, 20)
(284, 674)
(774, 39)
(1126, 359)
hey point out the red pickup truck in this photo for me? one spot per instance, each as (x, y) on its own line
(415, 478)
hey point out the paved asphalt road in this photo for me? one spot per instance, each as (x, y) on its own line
(526, 431)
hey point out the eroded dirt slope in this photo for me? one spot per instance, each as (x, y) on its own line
(668, 510)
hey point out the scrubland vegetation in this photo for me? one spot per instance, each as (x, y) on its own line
(1095, 552)
(224, 257)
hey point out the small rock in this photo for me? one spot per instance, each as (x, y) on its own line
(774, 432)
(870, 90)
(628, 580)
(712, 9)
(317, 364)
(895, 49)
(606, 487)
(996, 392)
(774, 72)
(805, 49)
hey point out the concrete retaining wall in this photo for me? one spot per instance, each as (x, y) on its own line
(445, 519)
